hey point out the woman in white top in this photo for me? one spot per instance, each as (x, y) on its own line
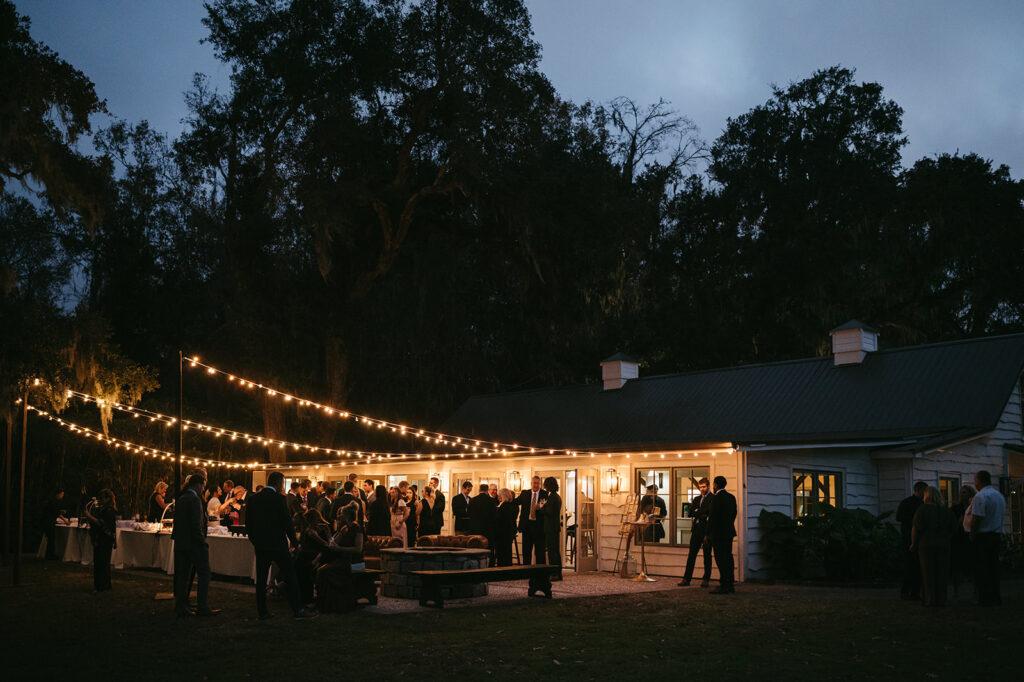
(213, 509)
(399, 513)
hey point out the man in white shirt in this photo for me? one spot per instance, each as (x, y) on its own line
(987, 511)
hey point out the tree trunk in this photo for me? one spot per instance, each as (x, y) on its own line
(273, 427)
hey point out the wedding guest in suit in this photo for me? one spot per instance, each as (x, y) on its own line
(721, 530)
(550, 514)
(492, 490)
(348, 496)
(54, 512)
(310, 495)
(294, 499)
(367, 491)
(360, 492)
(911, 587)
(437, 509)
(378, 517)
(505, 527)
(529, 524)
(460, 509)
(930, 538)
(960, 547)
(191, 550)
(699, 508)
(483, 513)
(326, 501)
(271, 532)
(103, 532)
(656, 531)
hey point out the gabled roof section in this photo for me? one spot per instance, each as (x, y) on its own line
(853, 324)
(898, 394)
(618, 357)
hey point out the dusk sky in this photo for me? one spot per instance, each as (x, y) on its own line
(956, 68)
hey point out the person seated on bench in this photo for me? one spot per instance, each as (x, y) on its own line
(340, 581)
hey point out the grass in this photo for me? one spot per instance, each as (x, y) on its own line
(54, 625)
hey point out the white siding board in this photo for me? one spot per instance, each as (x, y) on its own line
(770, 487)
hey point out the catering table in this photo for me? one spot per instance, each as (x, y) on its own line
(229, 554)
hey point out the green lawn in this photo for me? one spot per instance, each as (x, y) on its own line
(54, 625)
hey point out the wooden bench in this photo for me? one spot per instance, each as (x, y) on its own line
(538, 574)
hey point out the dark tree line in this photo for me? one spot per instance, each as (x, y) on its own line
(391, 209)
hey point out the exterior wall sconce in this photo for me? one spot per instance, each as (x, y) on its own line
(515, 482)
(614, 482)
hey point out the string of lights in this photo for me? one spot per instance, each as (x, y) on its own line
(364, 458)
(469, 445)
(134, 448)
(215, 431)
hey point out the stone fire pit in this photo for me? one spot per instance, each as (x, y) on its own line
(397, 563)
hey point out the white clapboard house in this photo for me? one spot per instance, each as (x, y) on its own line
(855, 428)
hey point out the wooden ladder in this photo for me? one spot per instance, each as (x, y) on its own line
(629, 509)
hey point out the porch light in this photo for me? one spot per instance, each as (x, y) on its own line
(515, 482)
(614, 482)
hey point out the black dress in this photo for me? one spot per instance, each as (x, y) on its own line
(337, 587)
(312, 542)
(427, 522)
(411, 525)
(379, 522)
(155, 510)
(505, 533)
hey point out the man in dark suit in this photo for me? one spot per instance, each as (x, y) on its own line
(911, 587)
(437, 511)
(483, 516)
(349, 495)
(699, 508)
(191, 551)
(529, 525)
(722, 529)
(656, 531)
(271, 532)
(550, 514)
(460, 509)
(293, 501)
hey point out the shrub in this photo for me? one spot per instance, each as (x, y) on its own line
(840, 544)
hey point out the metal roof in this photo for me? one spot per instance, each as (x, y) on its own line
(911, 393)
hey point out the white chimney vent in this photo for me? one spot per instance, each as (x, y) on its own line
(852, 342)
(617, 370)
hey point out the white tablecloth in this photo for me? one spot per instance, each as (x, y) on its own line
(229, 554)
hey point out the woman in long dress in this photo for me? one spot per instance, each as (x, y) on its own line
(425, 513)
(505, 530)
(399, 513)
(378, 520)
(338, 586)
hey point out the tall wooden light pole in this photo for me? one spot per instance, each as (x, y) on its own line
(8, 465)
(181, 409)
(21, 491)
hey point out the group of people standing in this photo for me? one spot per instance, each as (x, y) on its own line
(940, 543)
(499, 515)
(399, 512)
(714, 527)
